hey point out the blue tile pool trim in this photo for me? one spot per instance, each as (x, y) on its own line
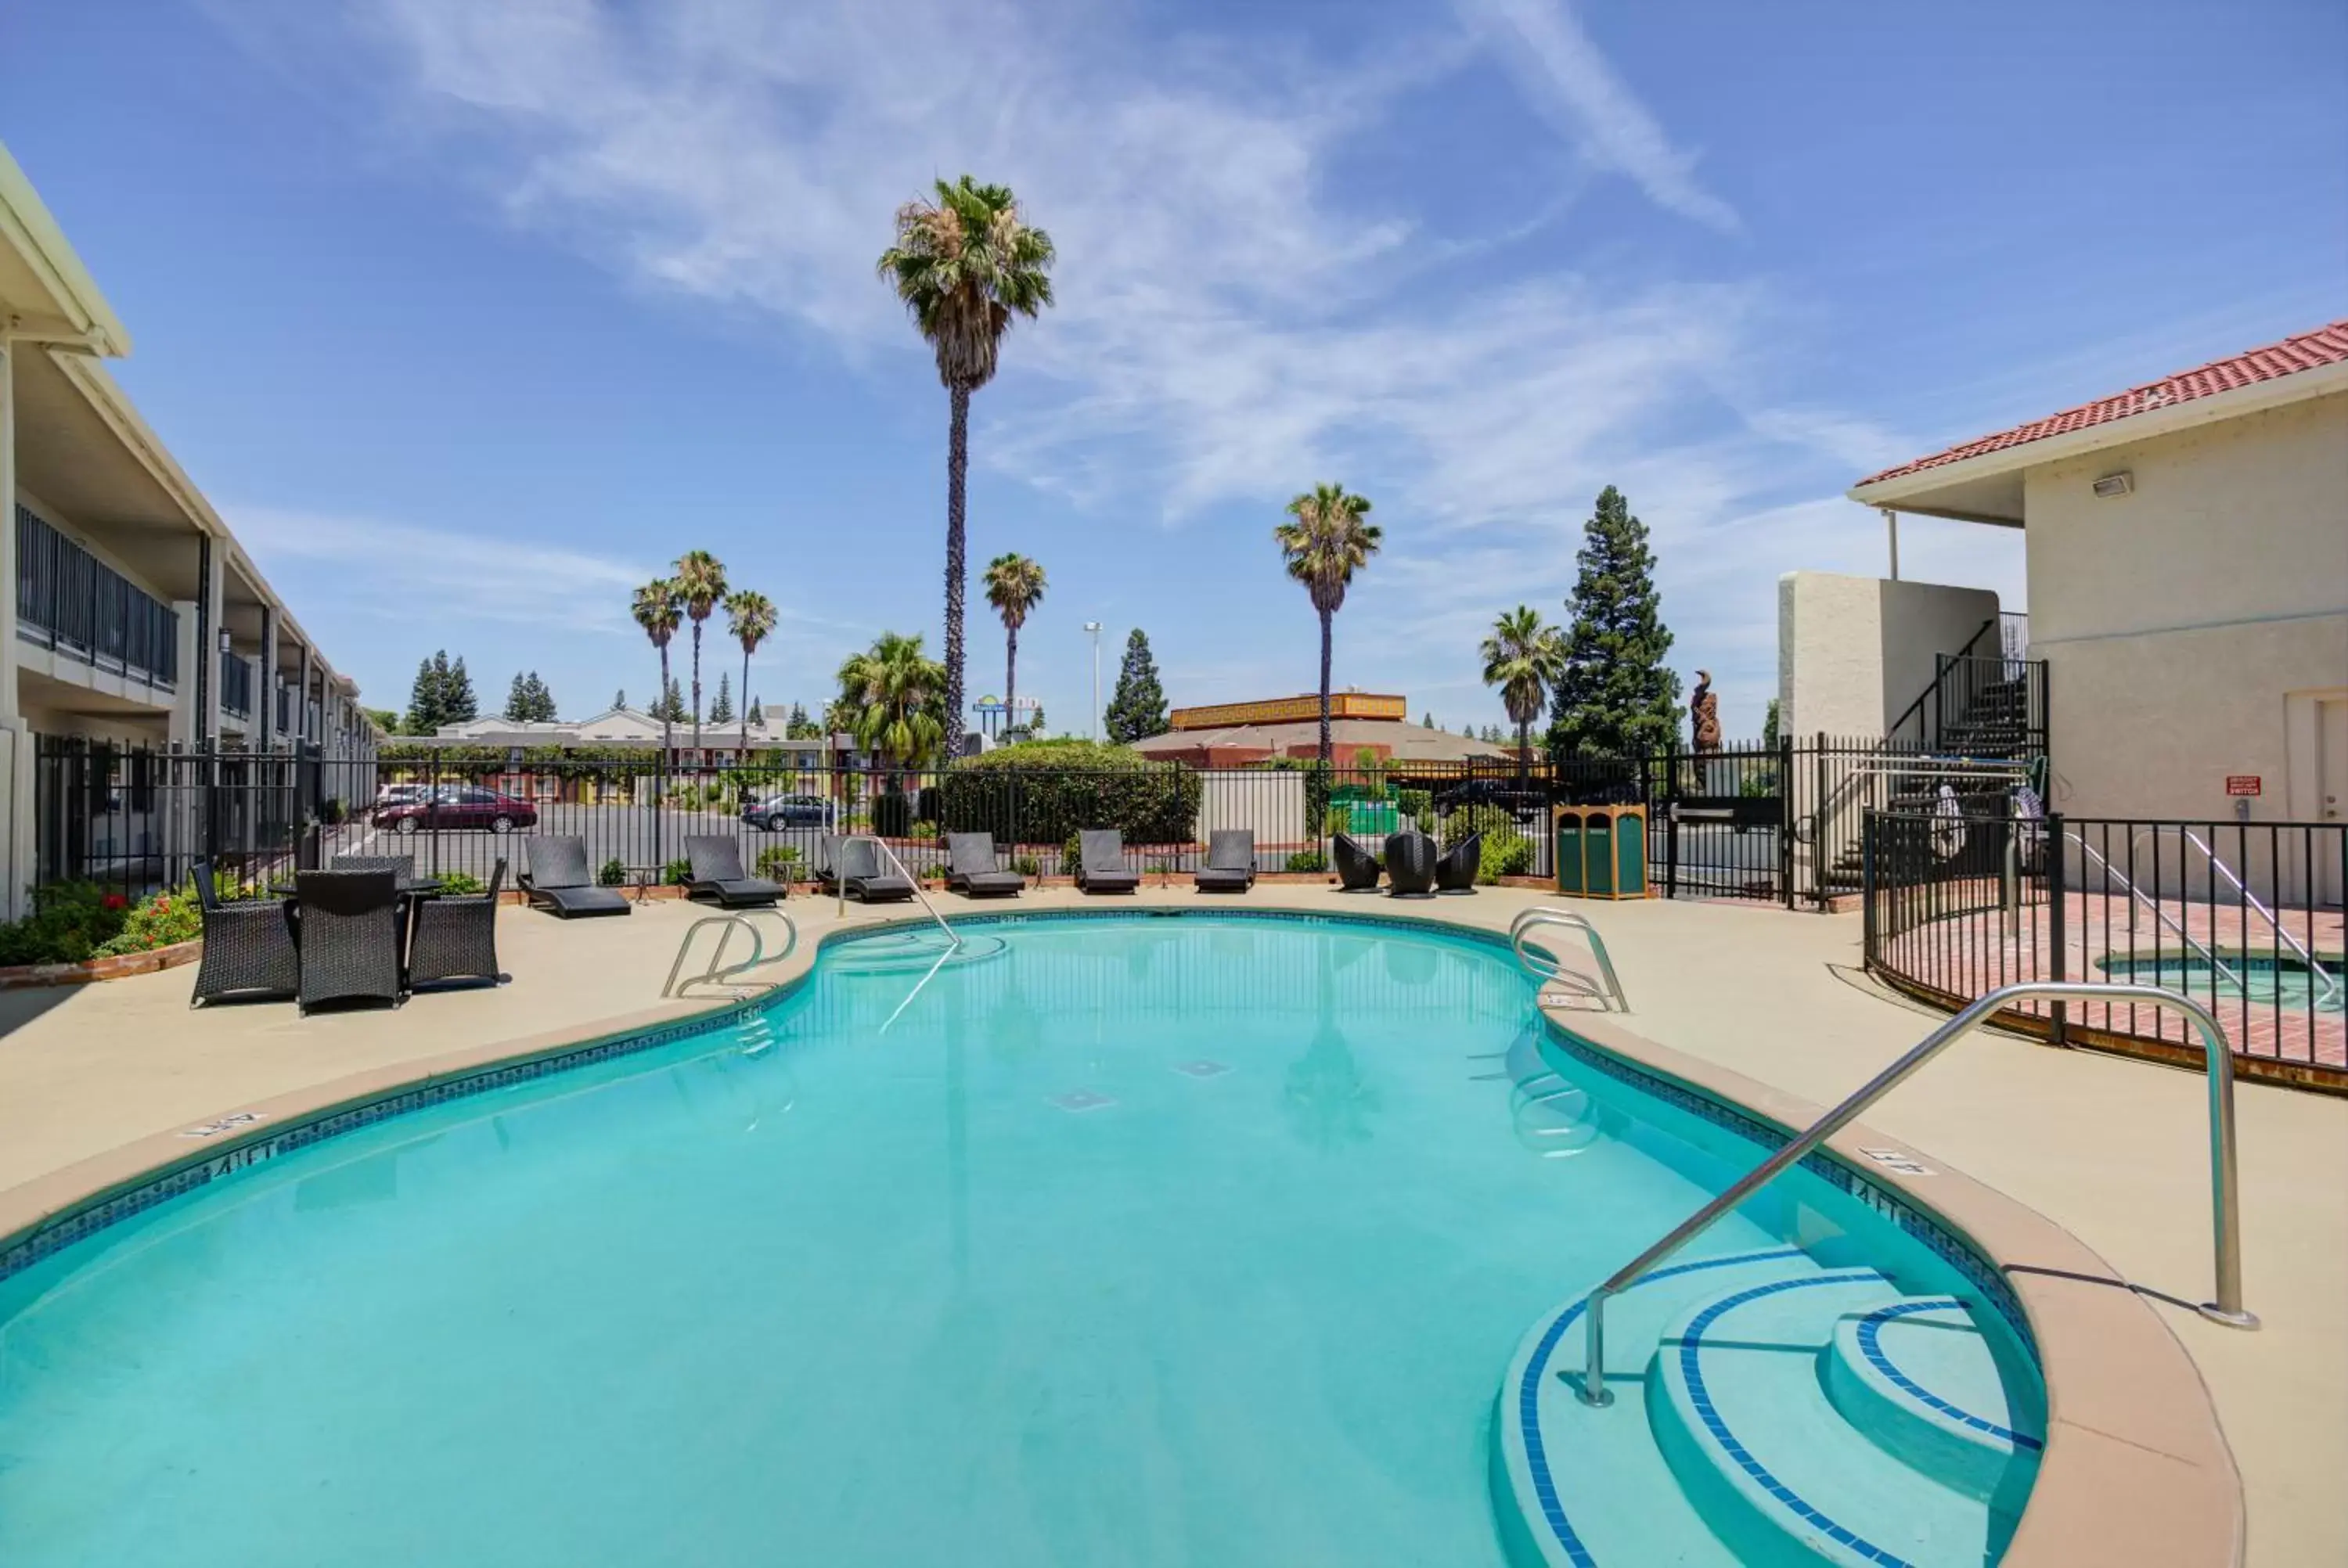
(1870, 1329)
(1692, 1369)
(1951, 1247)
(1537, 1366)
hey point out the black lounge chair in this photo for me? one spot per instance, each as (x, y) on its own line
(347, 929)
(558, 879)
(718, 877)
(248, 951)
(854, 865)
(456, 938)
(1231, 861)
(1357, 868)
(1101, 862)
(1410, 865)
(401, 867)
(971, 869)
(1455, 871)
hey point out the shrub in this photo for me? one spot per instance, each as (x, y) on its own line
(158, 921)
(777, 862)
(893, 815)
(1027, 866)
(1491, 821)
(1044, 792)
(1505, 854)
(1308, 860)
(1337, 819)
(923, 829)
(1415, 804)
(612, 874)
(677, 872)
(1072, 855)
(462, 881)
(68, 922)
(928, 804)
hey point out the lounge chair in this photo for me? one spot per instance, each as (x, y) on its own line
(854, 865)
(401, 867)
(558, 879)
(1455, 871)
(456, 937)
(1101, 862)
(718, 877)
(1231, 861)
(1357, 868)
(347, 929)
(1410, 865)
(971, 869)
(248, 947)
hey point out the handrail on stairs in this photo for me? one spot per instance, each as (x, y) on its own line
(2218, 863)
(719, 972)
(2225, 1200)
(839, 885)
(1543, 966)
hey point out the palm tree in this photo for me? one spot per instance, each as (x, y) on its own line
(1014, 585)
(1325, 545)
(701, 586)
(964, 264)
(658, 610)
(890, 696)
(750, 616)
(1525, 660)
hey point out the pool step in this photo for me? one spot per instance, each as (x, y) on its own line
(1752, 1425)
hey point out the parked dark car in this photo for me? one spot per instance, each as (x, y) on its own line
(459, 805)
(789, 811)
(393, 794)
(1502, 793)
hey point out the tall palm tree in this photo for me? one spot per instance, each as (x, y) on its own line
(1525, 660)
(889, 694)
(1324, 543)
(750, 616)
(658, 610)
(964, 264)
(701, 585)
(1014, 585)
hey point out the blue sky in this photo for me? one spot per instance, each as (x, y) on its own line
(472, 316)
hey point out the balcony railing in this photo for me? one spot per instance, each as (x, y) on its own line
(236, 684)
(69, 601)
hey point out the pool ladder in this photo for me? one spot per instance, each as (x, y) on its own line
(1543, 965)
(719, 972)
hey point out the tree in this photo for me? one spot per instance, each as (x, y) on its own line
(751, 617)
(1770, 726)
(754, 714)
(891, 695)
(701, 589)
(670, 710)
(1616, 696)
(797, 726)
(1426, 720)
(659, 611)
(424, 703)
(1014, 585)
(1136, 710)
(964, 264)
(1324, 543)
(385, 718)
(620, 698)
(527, 700)
(457, 699)
(1524, 658)
(721, 706)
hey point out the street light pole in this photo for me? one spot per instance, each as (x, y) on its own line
(1094, 627)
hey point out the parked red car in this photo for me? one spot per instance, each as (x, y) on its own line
(459, 805)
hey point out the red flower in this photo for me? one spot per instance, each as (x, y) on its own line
(115, 901)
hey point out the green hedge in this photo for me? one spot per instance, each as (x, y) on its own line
(1044, 792)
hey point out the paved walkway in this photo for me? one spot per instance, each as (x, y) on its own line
(2109, 1148)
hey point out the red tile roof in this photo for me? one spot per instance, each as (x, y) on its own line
(2309, 351)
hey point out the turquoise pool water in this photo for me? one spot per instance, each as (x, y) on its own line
(1200, 1240)
(2287, 982)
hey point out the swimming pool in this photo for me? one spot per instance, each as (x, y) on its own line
(1209, 1238)
(2286, 982)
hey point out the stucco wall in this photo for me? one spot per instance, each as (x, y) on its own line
(1854, 652)
(2178, 621)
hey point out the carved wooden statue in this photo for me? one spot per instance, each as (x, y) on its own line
(1704, 709)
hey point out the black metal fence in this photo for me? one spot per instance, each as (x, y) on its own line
(2242, 916)
(1775, 823)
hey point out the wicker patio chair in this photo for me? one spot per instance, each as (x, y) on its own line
(857, 862)
(1410, 865)
(347, 929)
(456, 938)
(1455, 871)
(718, 877)
(1231, 861)
(1101, 862)
(971, 869)
(248, 947)
(1357, 868)
(558, 879)
(401, 867)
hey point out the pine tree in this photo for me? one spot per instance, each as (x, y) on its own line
(1617, 695)
(1426, 720)
(1137, 711)
(672, 706)
(424, 705)
(520, 706)
(797, 726)
(721, 706)
(1770, 726)
(757, 715)
(456, 696)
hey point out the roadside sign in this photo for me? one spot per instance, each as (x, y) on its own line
(2242, 784)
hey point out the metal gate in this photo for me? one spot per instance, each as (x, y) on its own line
(1718, 823)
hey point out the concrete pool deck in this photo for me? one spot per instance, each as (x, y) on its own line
(2112, 1150)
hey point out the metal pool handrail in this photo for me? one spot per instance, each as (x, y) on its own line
(1545, 968)
(2224, 1198)
(839, 881)
(2218, 863)
(718, 973)
(2114, 874)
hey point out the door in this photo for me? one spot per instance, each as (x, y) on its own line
(2330, 793)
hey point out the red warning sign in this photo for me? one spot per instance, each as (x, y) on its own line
(2242, 784)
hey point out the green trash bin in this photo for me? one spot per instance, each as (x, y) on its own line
(1569, 851)
(1598, 851)
(1372, 818)
(1630, 855)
